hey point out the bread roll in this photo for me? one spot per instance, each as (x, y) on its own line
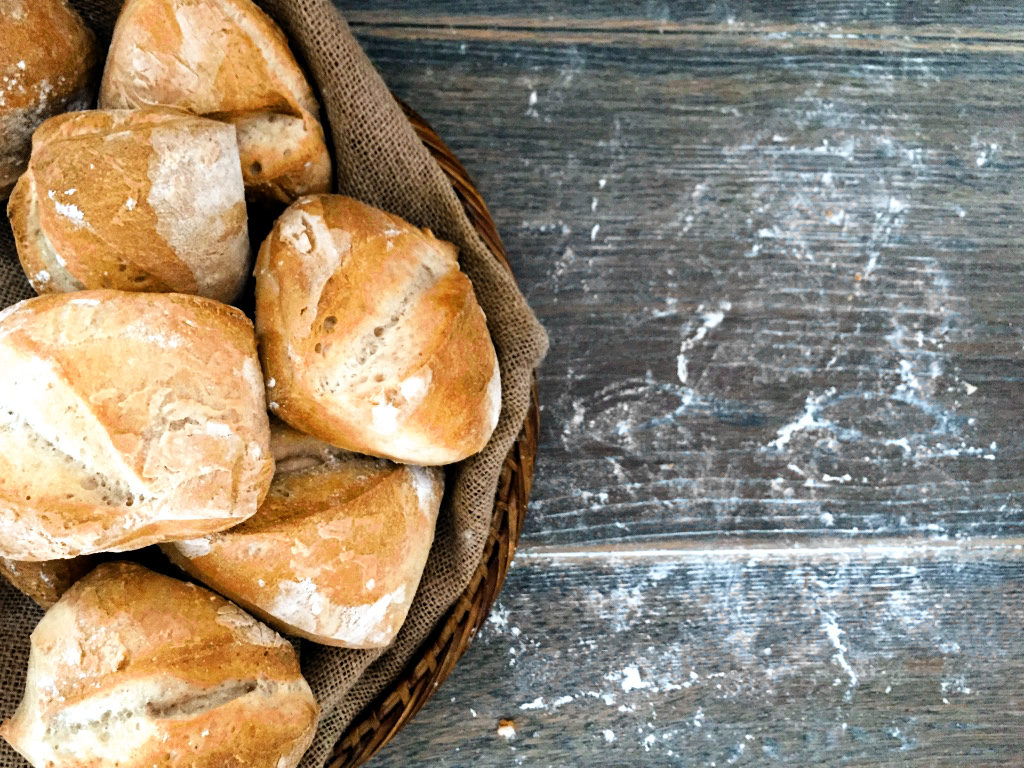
(134, 669)
(45, 581)
(336, 551)
(126, 419)
(370, 336)
(228, 59)
(139, 201)
(47, 62)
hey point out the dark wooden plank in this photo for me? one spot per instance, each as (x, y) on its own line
(777, 246)
(881, 657)
(821, 238)
(911, 15)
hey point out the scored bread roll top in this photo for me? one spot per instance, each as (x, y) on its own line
(47, 62)
(370, 336)
(148, 200)
(46, 581)
(134, 669)
(229, 60)
(126, 419)
(335, 553)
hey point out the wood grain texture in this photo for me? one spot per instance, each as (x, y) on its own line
(777, 508)
(991, 16)
(877, 657)
(779, 262)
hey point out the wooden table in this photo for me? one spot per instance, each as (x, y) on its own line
(778, 514)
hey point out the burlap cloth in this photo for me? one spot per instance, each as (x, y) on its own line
(378, 159)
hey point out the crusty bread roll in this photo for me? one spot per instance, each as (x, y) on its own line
(139, 201)
(126, 419)
(47, 61)
(46, 581)
(370, 336)
(336, 551)
(227, 59)
(134, 669)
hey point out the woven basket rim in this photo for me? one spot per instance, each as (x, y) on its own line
(436, 657)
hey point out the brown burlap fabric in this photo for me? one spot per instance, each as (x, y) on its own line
(378, 159)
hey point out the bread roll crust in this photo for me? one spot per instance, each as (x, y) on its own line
(47, 62)
(45, 581)
(229, 60)
(370, 336)
(148, 200)
(132, 668)
(335, 553)
(127, 419)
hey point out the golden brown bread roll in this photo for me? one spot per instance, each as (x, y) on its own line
(46, 581)
(370, 336)
(337, 549)
(47, 60)
(126, 419)
(134, 669)
(229, 60)
(138, 201)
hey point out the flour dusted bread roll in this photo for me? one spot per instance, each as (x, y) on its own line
(370, 336)
(139, 201)
(227, 59)
(46, 581)
(133, 669)
(126, 419)
(336, 551)
(47, 62)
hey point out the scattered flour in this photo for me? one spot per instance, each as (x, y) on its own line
(832, 631)
(69, 211)
(302, 604)
(537, 703)
(423, 482)
(192, 548)
(809, 419)
(711, 320)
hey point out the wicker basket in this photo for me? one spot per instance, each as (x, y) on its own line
(378, 723)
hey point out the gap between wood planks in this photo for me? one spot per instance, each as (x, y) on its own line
(681, 551)
(649, 33)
